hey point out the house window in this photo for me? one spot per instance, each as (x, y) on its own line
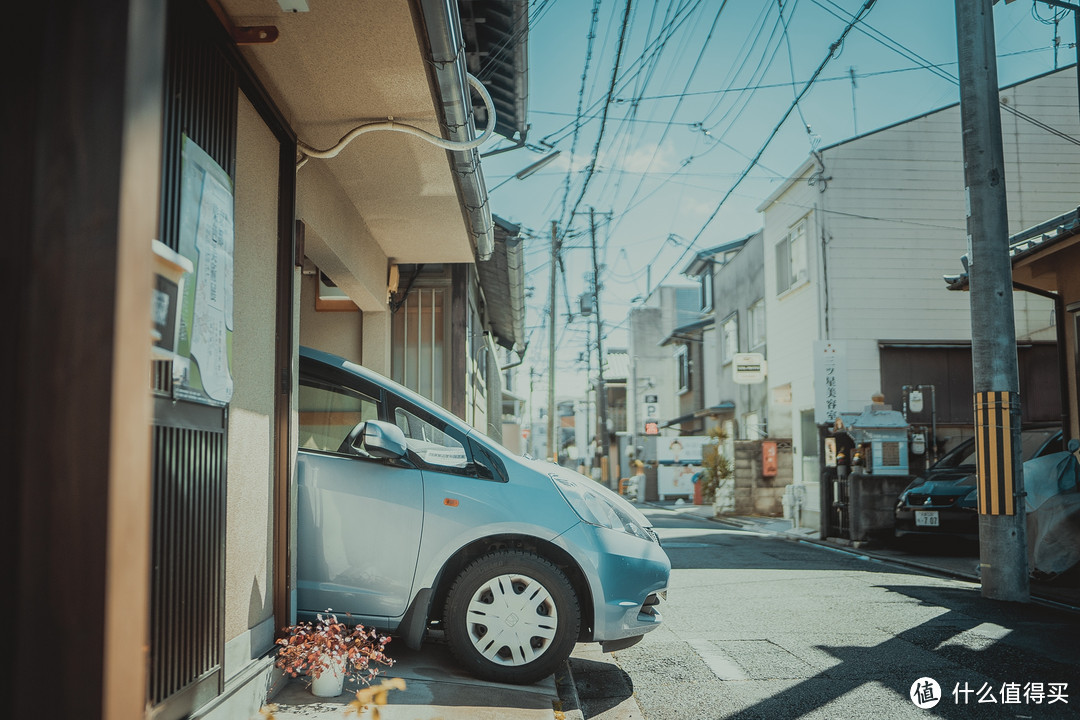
(756, 320)
(419, 338)
(682, 361)
(707, 290)
(729, 338)
(752, 427)
(791, 259)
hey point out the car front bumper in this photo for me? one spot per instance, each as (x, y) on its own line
(627, 577)
(961, 522)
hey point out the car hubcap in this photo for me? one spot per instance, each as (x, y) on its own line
(512, 619)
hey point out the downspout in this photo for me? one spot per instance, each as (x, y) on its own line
(443, 25)
(515, 269)
(1063, 354)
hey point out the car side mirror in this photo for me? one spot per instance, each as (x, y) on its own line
(382, 440)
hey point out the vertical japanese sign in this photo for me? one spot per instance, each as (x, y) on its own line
(830, 381)
(203, 370)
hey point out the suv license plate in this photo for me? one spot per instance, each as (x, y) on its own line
(926, 518)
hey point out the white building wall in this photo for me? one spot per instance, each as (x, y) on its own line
(793, 317)
(711, 366)
(889, 209)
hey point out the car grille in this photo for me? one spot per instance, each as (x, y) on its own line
(917, 501)
(649, 606)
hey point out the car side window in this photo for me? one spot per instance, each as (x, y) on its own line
(489, 465)
(329, 412)
(431, 442)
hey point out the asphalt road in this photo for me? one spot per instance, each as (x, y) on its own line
(758, 626)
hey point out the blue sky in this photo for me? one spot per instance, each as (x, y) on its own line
(702, 84)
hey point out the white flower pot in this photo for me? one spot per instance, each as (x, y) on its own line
(331, 681)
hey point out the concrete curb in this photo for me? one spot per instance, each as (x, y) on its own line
(568, 695)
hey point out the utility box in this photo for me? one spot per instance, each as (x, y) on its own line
(885, 432)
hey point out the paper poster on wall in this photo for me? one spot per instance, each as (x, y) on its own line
(203, 372)
(682, 449)
(676, 479)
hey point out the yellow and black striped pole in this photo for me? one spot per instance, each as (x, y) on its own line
(994, 447)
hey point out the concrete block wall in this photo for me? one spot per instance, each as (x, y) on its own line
(754, 493)
(872, 504)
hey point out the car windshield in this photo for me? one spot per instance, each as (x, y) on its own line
(1033, 443)
(962, 454)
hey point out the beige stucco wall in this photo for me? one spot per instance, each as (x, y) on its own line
(337, 239)
(337, 332)
(249, 522)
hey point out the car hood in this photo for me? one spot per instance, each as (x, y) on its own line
(944, 482)
(558, 473)
(943, 488)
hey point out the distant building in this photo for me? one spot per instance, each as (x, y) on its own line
(733, 294)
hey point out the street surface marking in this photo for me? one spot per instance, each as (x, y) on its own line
(718, 661)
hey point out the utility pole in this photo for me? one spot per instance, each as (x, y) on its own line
(553, 442)
(588, 375)
(601, 390)
(531, 444)
(854, 114)
(1002, 532)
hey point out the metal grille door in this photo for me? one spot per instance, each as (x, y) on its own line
(187, 554)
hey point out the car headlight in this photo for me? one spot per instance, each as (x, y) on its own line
(599, 506)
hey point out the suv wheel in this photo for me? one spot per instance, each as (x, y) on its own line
(512, 617)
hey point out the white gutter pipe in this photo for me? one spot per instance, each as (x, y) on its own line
(443, 23)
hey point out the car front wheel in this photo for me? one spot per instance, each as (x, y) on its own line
(511, 616)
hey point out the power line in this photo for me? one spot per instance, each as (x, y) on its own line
(686, 86)
(634, 69)
(641, 82)
(832, 50)
(914, 56)
(581, 98)
(603, 120)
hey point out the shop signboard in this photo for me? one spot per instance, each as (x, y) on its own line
(830, 381)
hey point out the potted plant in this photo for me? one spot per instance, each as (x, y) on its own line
(716, 469)
(329, 650)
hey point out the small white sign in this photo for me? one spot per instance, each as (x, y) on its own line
(748, 368)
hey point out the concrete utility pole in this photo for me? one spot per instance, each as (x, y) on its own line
(1002, 535)
(601, 391)
(552, 441)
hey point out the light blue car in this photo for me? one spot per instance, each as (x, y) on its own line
(410, 520)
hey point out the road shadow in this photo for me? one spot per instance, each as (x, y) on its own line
(701, 544)
(1011, 659)
(600, 686)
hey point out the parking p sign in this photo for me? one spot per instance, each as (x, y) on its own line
(650, 411)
